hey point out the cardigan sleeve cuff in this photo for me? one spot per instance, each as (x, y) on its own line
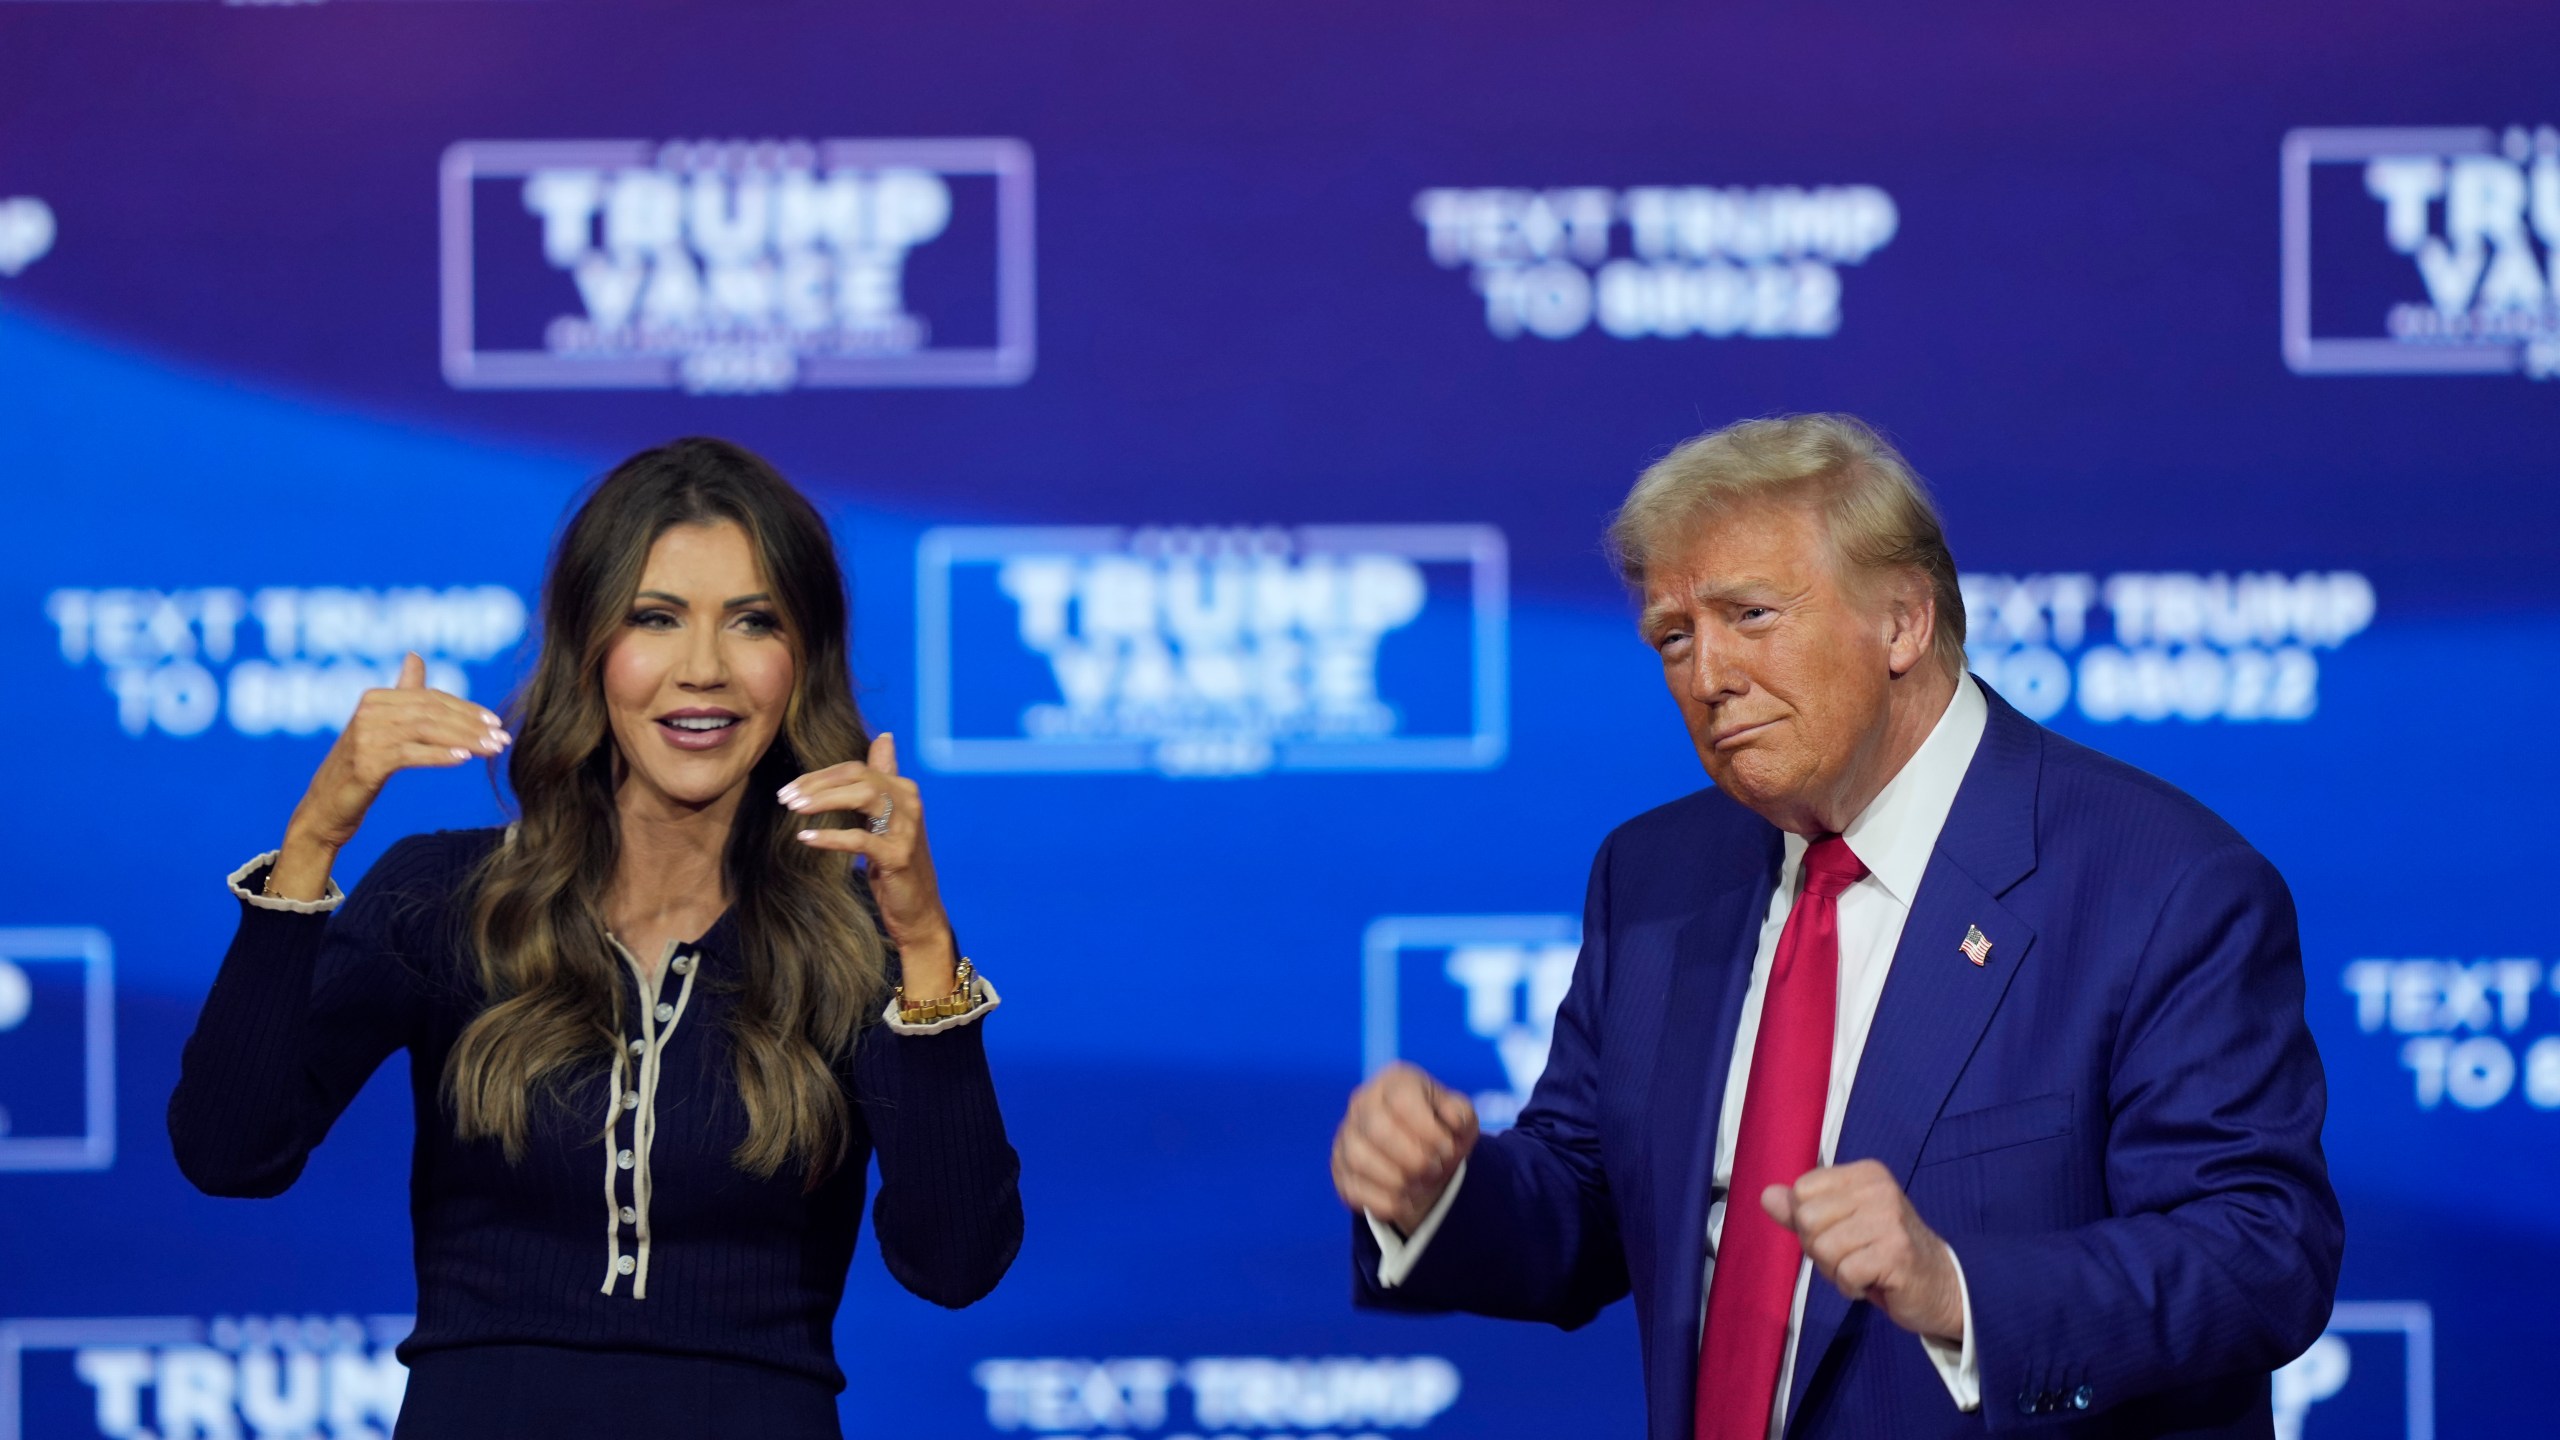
(329, 900)
(982, 998)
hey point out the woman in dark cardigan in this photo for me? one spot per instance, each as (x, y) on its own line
(656, 1028)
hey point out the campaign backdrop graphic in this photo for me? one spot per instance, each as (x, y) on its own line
(1211, 653)
(737, 267)
(1218, 411)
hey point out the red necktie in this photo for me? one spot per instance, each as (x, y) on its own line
(1755, 1276)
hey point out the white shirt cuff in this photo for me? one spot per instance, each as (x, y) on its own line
(982, 997)
(330, 899)
(1956, 1364)
(1398, 1254)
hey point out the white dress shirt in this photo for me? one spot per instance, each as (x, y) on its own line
(1894, 837)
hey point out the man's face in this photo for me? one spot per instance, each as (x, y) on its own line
(1781, 670)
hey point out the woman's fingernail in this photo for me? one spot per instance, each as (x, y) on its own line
(461, 754)
(796, 803)
(493, 721)
(808, 834)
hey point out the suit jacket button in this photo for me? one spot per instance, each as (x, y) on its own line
(2026, 1403)
(2081, 1397)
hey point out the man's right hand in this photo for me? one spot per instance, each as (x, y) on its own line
(1403, 1137)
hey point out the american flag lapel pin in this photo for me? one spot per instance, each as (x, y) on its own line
(1976, 946)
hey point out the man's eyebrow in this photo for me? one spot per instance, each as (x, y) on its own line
(1733, 589)
(1736, 588)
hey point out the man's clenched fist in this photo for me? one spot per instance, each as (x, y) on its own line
(1862, 1235)
(1400, 1141)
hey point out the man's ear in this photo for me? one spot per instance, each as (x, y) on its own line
(1911, 621)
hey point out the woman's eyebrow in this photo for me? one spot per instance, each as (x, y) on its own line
(761, 597)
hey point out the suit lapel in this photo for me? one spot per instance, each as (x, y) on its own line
(1703, 1008)
(1936, 1001)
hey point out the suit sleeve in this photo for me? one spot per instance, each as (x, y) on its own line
(2221, 1257)
(1532, 1234)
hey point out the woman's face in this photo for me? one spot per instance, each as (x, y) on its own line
(697, 680)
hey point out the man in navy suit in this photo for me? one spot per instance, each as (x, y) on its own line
(1931, 1074)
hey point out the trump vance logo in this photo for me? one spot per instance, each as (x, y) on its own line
(57, 1049)
(1212, 651)
(2371, 1374)
(2431, 251)
(729, 267)
(315, 1377)
(1470, 998)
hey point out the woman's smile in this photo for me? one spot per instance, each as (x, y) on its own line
(699, 727)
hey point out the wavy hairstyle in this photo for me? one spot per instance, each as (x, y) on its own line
(1877, 510)
(816, 965)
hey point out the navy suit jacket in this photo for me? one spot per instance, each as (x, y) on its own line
(2115, 1121)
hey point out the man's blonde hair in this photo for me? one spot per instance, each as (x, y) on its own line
(1876, 510)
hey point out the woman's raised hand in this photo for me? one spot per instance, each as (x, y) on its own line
(901, 866)
(403, 728)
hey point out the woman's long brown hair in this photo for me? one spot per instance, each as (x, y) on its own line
(816, 966)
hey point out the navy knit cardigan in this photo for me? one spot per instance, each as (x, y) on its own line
(547, 1251)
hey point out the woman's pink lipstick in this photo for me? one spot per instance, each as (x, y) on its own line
(699, 728)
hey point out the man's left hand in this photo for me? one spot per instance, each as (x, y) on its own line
(1862, 1235)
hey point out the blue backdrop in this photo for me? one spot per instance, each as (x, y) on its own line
(1218, 408)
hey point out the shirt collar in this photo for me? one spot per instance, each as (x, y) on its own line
(1895, 835)
(715, 946)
